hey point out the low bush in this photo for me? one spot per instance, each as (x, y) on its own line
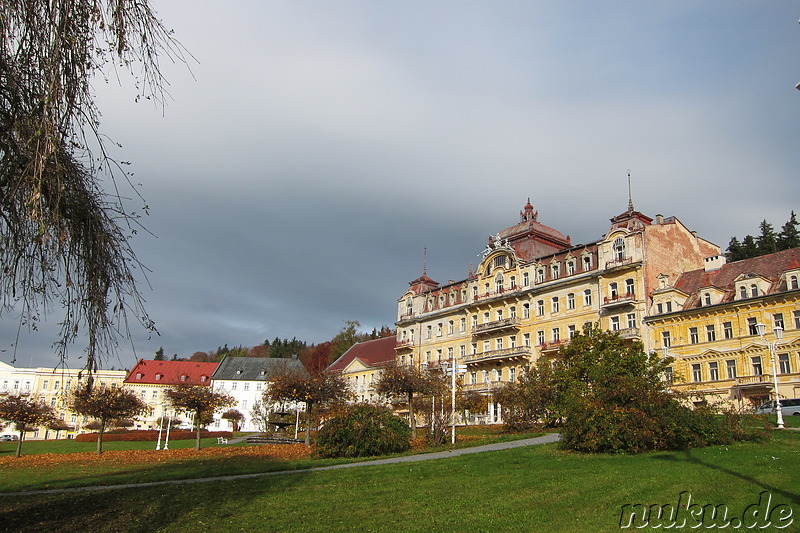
(363, 430)
(151, 435)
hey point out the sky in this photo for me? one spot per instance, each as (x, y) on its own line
(311, 151)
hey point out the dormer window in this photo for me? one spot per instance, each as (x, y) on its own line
(158, 377)
(570, 268)
(587, 263)
(183, 378)
(742, 292)
(754, 290)
(707, 299)
(139, 376)
(263, 372)
(793, 283)
(203, 379)
(239, 371)
(555, 270)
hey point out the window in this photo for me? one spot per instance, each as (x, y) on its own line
(693, 337)
(486, 317)
(727, 330)
(730, 365)
(233, 386)
(555, 271)
(499, 314)
(526, 310)
(742, 292)
(751, 326)
(439, 329)
(450, 327)
(629, 288)
(498, 374)
(777, 318)
(462, 325)
(485, 376)
(793, 282)
(669, 307)
(45, 385)
(158, 377)
(713, 371)
(540, 275)
(753, 290)
(526, 279)
(665, 339)
(571, 332)
(513, 340)
(571, 301)
(540, 307)
(757, 369)
(512, 374)
(570, 268)
(707, 299)
(473, 377)
(498, 283)
(474, 321)
(154, 396)
(668, 375)
(631, 320)
(783, 363)
(462, 350)
(183, 378)
(450, 352)
(474, 292)
(554, 304)
(513, 312)
(540, 337)
(499, 343)
(428, 332)
(409, 307)
(486, 346)
(556, 334)
(53, 401)
(711, 333)
(797, 320)
(614, 323)
(138, 375)
(659, 308)
(513, 282)
(587, 297)
(619, 249)
(587, 263)
(246, 385)
(612, 288)
(258, 386)
(697, 373)
(56, 385)
(526, 339)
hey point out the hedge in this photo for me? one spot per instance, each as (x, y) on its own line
(152, 435)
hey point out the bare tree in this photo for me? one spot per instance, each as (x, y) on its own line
(63, 239)
(398, 381)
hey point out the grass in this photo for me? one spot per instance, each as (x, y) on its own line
(538, 488)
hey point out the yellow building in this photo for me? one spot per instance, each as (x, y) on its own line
(53, 386)
(533, 289)
(706, 319)
(361, 365)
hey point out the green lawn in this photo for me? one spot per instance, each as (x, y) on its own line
(526, 489)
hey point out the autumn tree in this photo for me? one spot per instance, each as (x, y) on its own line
(199, 400)
(105, 405)
(233, 416)
(405, 381)
(25, 413)
(314, 390)
(63, 239)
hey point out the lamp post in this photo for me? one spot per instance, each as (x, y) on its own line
(761, 329)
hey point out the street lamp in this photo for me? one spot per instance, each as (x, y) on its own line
(761, 329)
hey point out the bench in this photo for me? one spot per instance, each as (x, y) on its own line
(222, 440)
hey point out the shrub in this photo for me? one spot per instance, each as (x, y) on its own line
(363, 430)
(150, 435)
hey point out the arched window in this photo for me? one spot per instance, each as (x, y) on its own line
(619, 249)
(753, 290)
(793, 282)
(742, 292)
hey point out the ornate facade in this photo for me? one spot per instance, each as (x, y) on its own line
(533, 289)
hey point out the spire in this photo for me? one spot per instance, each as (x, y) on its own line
(528, 213)
(630, 197)
(425, 261)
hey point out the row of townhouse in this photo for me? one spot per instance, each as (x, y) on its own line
(244, 378)
(651, 279)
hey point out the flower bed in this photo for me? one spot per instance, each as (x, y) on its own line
(286, 452)
(152, 435)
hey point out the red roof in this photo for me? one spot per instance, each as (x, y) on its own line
(371, 353)
(768, 266)
(171, 373)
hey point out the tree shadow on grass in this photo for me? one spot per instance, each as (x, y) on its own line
(145, 509)
(689, 456)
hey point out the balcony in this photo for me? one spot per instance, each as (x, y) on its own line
(619, 262)
(629, 333)
(553, 346)
(496, 294)
(518, 352)
(620, 299)
(754, 382)
(405, 345)
(496, 326)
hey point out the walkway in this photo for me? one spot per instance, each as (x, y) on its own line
(548, 438)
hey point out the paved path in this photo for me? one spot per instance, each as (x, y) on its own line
(549, 437)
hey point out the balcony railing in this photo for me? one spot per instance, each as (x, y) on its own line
(404, 345)
(553, 345)
(497, 325)
(619, 262)
(496, 355)
(629, 333)
(619, 299)
(761, 379)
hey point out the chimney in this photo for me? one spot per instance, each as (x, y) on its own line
(714, 262)
(659, 219)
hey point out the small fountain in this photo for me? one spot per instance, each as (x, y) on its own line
(280, 421)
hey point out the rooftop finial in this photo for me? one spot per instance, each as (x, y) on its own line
(425, 261)
(630, 197)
